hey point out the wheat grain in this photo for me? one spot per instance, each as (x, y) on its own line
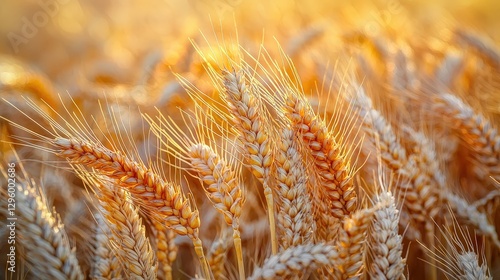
(299, 259)
(166, 250)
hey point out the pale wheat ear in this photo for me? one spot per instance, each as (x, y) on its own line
(458, 256)
(128, 232)
(299, 259)
(295, 217)
(48, 250)
(105, 264)
(218, 253)
(475, 130)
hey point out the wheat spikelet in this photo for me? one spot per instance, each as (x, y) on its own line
(463, 210)
(45, 241)
(295, 220)
(332, 166)
(481, 45)
(223, 189)
(217, 255)
(336, 196)
(166, 250)
(219, 174)
(458, 257)
(105, 265)
(393, 155)
(161, 198)
(351, 242)
(428, 167)
(254, 135)
(128, 234)
(293, 260)
(384, 244)
(477, 132)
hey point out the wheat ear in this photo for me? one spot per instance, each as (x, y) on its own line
(477, 132)
(247, 115)
(295, 220)
(484, 47)
(293, 260)
(336, 197)
(351, 241)
(105, 264)
(166, 250)
(217, 255)
(128, 233)
(463, 210)
(164, 200)
(47, 246)
(223, 189)
(384, 244)
(458, 257)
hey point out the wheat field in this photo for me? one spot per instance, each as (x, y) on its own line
(236, 139)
